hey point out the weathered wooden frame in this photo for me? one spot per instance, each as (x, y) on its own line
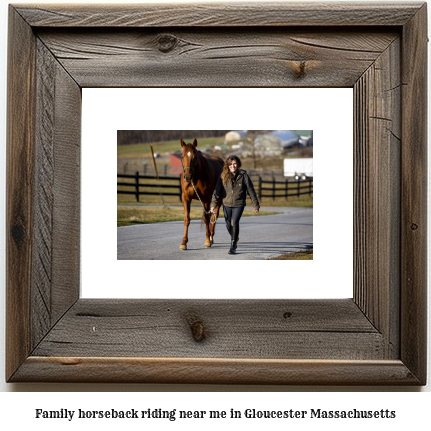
(378, 337)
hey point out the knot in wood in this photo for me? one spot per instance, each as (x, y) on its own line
(167, 42)
(197, 328)
(300, 69)
(18, 233)
(414, 226)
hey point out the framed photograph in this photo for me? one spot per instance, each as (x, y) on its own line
(378, 337)
(140, 266)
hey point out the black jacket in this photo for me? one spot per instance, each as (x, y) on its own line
(234, 194)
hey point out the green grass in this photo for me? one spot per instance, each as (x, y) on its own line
(301, 201)
(305, 201)
(301, 255)
(127, 216)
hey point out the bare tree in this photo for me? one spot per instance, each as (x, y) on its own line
(251, 137)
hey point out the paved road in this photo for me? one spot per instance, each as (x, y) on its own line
(261, 237)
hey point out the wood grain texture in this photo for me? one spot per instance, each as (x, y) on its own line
(234, 329)
(413, 192)
(377, 182)
(44, 195)
(67, 199)
(378, 337)
(20, 198)
(215, 371)
(43, 191)
(221, 15)
(55, 278)
(214, 57)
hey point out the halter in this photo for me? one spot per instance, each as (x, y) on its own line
(188, 167)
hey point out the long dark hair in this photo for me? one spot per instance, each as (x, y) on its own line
(226, 171)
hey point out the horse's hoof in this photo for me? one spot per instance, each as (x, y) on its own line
(207, 244)
(183, 247)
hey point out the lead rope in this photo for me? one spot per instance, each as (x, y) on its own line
(206, 212)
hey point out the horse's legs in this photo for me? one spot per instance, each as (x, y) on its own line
(186, 204)
(207, 218)
(212, 226)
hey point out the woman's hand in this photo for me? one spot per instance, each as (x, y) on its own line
(256, 210)
(212, 209)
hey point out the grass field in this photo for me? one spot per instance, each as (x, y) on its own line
(302, 255)
(301, 201)
(127, 216)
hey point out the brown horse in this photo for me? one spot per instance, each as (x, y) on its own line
(198, 181)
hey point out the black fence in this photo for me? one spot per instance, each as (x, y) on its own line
(159, 187)
(276, 188)
(265, 188)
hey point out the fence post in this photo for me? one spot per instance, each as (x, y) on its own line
(126, 165)
(286, 189)
(137, 186)
(310, 184)
(273, 188)
(298, 189)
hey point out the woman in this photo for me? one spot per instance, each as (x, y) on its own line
(232, 187)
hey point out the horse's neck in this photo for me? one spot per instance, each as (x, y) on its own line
(202, 167)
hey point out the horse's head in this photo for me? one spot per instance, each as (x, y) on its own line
(189, 159)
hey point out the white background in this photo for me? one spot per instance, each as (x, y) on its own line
(329, 112)
(18, 408)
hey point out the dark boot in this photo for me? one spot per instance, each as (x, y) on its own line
(231, 249)
(232, 241)
(235, 237)
(229, 229)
